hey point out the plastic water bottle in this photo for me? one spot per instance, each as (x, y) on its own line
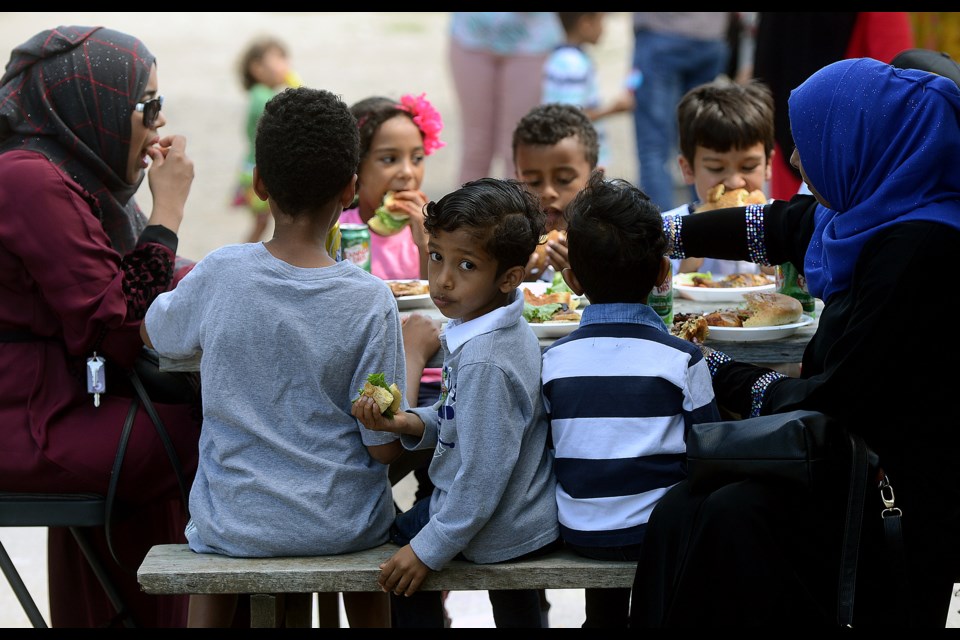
(661, 299)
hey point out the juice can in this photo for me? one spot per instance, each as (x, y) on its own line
(355, 244)
(661, 299)
(791, 282)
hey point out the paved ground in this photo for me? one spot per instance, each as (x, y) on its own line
(403, 52)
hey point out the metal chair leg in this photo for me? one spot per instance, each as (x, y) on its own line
(20, 590)
(103, 577)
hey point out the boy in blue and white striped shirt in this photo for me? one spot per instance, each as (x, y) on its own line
(620, 391)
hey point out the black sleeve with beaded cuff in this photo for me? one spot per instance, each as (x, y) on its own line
(765, 234)
(148, 268)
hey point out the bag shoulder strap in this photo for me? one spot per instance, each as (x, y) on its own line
(141, 398)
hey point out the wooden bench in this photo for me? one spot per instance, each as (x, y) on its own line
(281, 588)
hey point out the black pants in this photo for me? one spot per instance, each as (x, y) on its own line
(607, 608)
(759, 554)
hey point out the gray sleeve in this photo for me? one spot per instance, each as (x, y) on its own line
(174, 318)
(383, 354)
(430, 421)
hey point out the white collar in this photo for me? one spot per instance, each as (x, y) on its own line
(457, 333)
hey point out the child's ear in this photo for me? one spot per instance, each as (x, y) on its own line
(258, 187)
(664, 271)
(768, 172)
(511, 279)
(349, 192)
(571, 279)
(686, 170)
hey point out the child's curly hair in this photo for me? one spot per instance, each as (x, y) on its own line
(307, 148)
(500, 213)
(547, 124)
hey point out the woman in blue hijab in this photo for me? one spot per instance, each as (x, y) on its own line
(879, 149)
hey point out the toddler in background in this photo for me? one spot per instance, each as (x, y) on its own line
(492, 467)
(395, 139)
(555, 149)
(285, 469)
(264, 70)
(726, 137)
(570, 75)
(620, 391)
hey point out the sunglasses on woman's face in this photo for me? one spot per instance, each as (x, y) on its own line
(150, 110)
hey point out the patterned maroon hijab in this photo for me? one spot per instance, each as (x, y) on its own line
(68, 93)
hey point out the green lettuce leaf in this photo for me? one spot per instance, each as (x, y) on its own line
(542, 313)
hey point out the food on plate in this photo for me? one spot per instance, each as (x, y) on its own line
(719, 197)
(691, 327)
(541, 251)
(733, 280)
(760, 309)
(404, 288)
(559, 306)
(386, 396)
(386, 221)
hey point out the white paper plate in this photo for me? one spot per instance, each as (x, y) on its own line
(413, 302)
(756, 334)
(717, 294)
(553, 329)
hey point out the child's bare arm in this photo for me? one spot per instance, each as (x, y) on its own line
(365, 410)
(385, 453)
(403, 573)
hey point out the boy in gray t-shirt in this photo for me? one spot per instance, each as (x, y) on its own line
(492, 469)
(288, 336)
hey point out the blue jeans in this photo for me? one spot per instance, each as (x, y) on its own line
(671, 66)
(512, 608)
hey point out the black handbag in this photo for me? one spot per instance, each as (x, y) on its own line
(803, 449)
(151, 385)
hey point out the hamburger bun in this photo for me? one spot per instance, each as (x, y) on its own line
(541, 251)
(719, 198)
(768, 309)
(385, 221)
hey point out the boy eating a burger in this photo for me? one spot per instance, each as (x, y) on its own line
(726, 143)
(288, 336)
(620, 391)
(492, 468)
(555, 149)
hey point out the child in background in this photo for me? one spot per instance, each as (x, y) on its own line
(264, 70)
(726, 137)
(492, 466)
(395, 139)
(285, 469)
(570, 75)
(555, 149)
(620, 391)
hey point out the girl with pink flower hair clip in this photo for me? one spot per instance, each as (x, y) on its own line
(396, 136)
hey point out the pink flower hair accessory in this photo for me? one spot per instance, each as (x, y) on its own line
(427, 119)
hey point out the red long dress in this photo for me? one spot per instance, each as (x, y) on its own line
(61, 282)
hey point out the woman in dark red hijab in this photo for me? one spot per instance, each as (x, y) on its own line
(79, 265)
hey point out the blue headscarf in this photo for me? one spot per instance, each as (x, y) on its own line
(882, 146)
